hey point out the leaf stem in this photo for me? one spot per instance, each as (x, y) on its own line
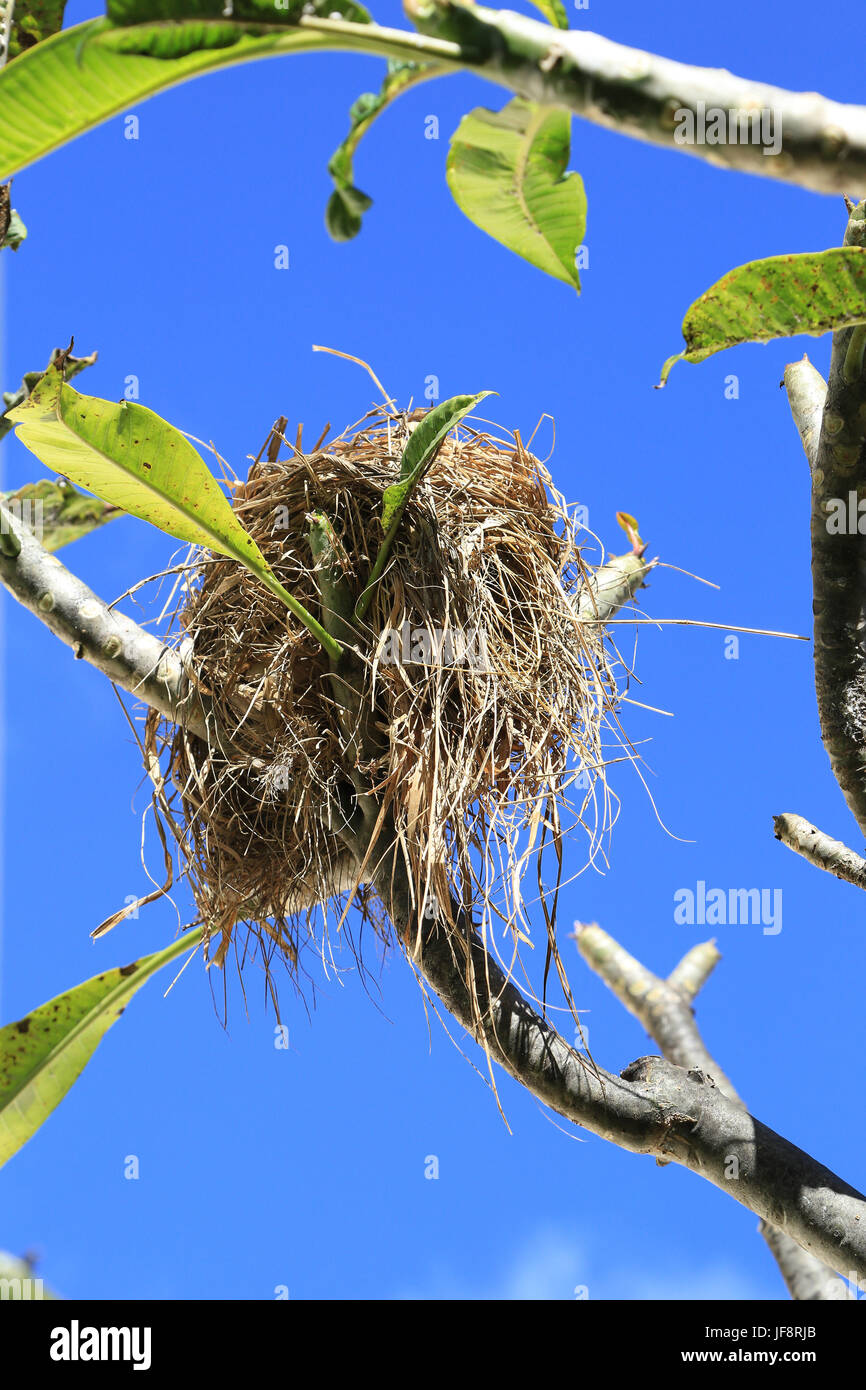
(330, 645)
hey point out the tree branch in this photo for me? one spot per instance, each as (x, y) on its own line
(806, 839)
(663, 1007)
(134, 659)
(807, 1279)
(821, 143)
(653, 1107)
(838, 468)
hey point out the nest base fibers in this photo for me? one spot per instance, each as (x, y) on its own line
(486, 696)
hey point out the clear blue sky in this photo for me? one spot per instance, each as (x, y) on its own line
(305, 1168)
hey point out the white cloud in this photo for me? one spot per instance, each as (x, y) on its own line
(551, 1264)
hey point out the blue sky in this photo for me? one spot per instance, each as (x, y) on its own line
(305, 1168)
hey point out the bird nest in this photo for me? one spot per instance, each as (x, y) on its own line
(479, 699)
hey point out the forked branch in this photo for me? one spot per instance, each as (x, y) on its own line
(664, 1008)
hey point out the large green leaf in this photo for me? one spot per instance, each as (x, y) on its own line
(418, 455)
(84, 75)
(131, 458)
(72, 367)
(43, 1054)
(506, 170)
(57, 512)
(778, 297)
(347, 203)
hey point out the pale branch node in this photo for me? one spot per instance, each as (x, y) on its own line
(664, 1012)
(663, 1007)
(807, 392)
(797, 137)
(653, 1107)
(838, 467)
(695, 968)
(612, 585)
(806, 839)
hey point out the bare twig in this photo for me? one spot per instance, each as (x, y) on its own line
(806, 839)
(664, 1009)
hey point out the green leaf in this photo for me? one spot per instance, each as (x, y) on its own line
(270, 12)
(779, 297)
(43, 1054)
(418, 455)
(332, 574)
(72, 367)
(347, 203)
(84, 75)
(133, 459)
(421, 450)
(57, 512)
(506, 170)
(553, 11)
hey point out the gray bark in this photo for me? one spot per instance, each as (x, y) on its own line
(664, 1009)
(822, 145)
(837, 461)
(806, 839)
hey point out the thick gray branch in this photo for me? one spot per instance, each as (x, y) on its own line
(806, 839)
(108, 640)
(838, 467)
(664, 1009)
(820, 144)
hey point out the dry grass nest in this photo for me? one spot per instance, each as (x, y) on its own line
(484, 700)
